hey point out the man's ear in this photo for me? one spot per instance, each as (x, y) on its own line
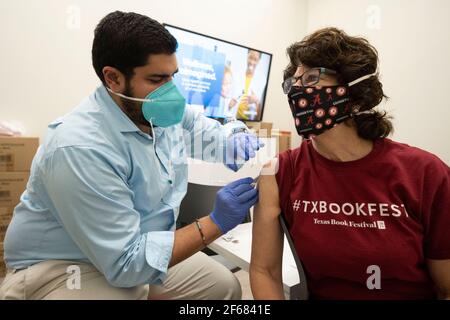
(115, 80)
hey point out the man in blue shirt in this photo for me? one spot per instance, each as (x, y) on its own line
(97, 220)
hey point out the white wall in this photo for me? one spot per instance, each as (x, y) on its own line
(46, 67)
(46, 63)
(412, 37)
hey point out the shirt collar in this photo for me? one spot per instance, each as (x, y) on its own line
(113, 112)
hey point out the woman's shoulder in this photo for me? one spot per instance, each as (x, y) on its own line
(294, 152)
(295, 155)
(414, 157)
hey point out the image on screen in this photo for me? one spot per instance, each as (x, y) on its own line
(220, 78)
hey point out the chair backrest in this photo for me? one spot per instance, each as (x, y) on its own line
(302, 292)
(191, 208)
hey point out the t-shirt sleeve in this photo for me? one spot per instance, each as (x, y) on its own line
(436, 209)
(283, 176)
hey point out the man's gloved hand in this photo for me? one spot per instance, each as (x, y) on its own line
(241, 147)
(232, 204)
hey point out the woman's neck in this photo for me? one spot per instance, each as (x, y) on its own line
(342, 143)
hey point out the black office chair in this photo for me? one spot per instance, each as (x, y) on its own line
(300, 291)
(198, 202)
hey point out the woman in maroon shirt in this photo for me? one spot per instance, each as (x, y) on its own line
(369, 217)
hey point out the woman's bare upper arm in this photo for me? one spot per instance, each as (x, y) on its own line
(440, 273)
(267, 244)
(269, 200)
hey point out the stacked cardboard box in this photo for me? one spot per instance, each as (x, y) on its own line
(5, 218)
(283, 140)
(265, 129)
(16, 155)
(2, 264)
(261, 129)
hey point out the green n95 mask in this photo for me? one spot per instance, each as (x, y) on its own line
(163, 107)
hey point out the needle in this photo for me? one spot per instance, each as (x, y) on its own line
(255, 182)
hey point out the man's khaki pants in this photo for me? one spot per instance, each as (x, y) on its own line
(198, 277)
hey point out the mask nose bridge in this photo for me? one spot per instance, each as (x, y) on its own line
(161, 90)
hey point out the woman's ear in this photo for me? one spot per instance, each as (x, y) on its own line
(355, 109)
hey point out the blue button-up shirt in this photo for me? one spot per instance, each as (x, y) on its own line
(104, 192)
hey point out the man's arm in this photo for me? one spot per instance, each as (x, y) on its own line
(231, 207)
(188, 239)
(93, 202)
(267, 244)
(206, 139)
(440, 273)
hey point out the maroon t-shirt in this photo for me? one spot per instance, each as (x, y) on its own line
(376, 218)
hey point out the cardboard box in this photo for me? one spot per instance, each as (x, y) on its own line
(4, 223)
(2, 263)
(283, 140)
(12, 185)
(4, 211)
(5, 218)
(4, 226)
(262, 129)
(16, 153)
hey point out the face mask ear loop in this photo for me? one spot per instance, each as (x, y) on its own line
(362, 78)
(127, 97)
(154, 145)
(355, 111)
(153, 134)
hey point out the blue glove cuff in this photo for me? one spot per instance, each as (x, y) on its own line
(213, 218)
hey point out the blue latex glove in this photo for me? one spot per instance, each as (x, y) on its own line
(232, 203)
(240, 148)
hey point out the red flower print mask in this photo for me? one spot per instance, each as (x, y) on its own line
(319, 108)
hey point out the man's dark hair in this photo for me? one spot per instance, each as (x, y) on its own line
(124, 40)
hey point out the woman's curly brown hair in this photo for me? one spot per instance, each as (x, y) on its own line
(351, 57)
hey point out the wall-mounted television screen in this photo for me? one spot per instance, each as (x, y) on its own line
(222, 79)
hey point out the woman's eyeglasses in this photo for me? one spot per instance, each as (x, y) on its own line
(307, 79)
